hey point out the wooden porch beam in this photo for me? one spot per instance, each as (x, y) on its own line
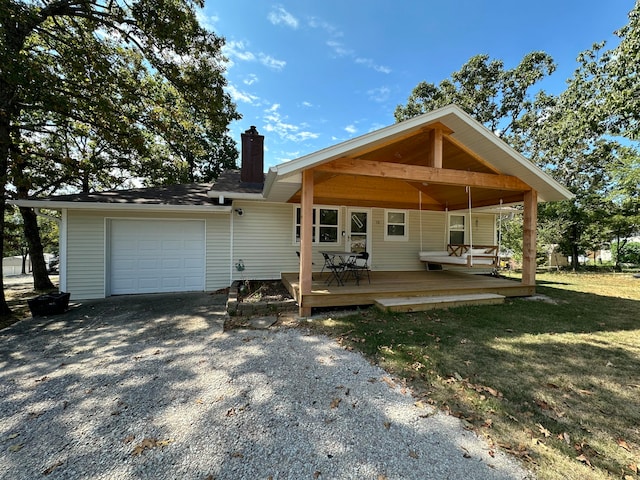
(530, 221)
(306, 240)
(417, 173)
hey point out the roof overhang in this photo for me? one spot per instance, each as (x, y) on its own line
(120, 207)
(387, 149)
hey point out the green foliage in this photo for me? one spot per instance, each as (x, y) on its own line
(630, 254)
(496, 97)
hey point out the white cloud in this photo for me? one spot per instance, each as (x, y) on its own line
(281, 16)
(350, 129)
(207, 21)
(314, 22)
(270, 62)
(238, 51)
(307, 104)
(367, 62)
(240, 96)
(250, 79)
(339, 49)
(380, 94)
(276, 123)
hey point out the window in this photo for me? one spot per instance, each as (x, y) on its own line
(456, 229)
(325, 225)
(395, 225)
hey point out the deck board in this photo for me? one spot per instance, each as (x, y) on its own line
(402, 284)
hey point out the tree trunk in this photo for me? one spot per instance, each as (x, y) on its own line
(5, 141)
(41, 279)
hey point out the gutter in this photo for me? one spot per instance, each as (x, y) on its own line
(154, 207)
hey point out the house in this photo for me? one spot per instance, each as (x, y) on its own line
(417, 185)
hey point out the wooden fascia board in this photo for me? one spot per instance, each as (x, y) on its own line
(417, 173)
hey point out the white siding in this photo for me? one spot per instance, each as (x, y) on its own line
(394, 255)
(85, 255)
(218, 237)
(263, 240)
(86, 249)
(484, 229)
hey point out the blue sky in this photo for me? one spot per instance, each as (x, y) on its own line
(310, 74)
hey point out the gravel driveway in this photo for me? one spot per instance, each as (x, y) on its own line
(151, 388)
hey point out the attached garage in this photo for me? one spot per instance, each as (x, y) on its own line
(155, 256)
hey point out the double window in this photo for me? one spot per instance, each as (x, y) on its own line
(325, 225)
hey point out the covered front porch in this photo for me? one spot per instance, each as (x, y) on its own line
(386, 285)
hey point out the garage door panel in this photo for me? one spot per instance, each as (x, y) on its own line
(152, 256)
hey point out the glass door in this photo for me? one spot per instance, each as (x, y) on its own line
(358, 236)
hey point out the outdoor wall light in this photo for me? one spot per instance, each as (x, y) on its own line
(239, 211)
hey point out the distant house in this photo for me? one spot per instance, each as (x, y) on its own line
(419, 185)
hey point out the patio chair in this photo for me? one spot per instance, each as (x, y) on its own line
(357, 265)
(336, 269)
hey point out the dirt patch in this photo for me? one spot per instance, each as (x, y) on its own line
(254, 291)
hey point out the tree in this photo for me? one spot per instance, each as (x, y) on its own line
(495, 97)
(89, 62)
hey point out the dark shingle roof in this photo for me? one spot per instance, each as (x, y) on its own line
(182, 194)
(229, 181)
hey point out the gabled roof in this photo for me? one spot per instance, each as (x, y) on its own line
(468, 146)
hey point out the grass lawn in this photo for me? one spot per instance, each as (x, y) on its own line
(555, 382)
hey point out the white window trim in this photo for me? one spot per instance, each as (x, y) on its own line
(396, 238)
(463, 229)
(316, 226)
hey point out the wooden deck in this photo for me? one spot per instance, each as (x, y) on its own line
(402, 284)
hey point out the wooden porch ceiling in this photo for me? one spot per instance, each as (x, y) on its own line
(393, 175)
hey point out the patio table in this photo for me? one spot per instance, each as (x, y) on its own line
(338, 267)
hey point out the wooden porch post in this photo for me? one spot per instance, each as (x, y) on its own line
(434, 152)
(306, 233)
(529, 238)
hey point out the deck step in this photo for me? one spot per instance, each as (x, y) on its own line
(420, 304)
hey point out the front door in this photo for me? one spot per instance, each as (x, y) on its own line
(358, 231)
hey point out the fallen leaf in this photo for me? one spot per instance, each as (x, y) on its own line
(129, 439)
(488, 423)
(585, 392)
(565, 437)
(624, 444)
(199, 401)
(12, 436)
(543, 430)
(50, 469)
(387, 425)
(628, 477)
(16, 448)
(237, 455)
(583, 459)
(389, 382)
(231, 412)
(382, 477)
(634, 468)
(492, 454)
(413, 454)
(317, 474)
(42, 379)
(146, 444)
(164, 443)
(335, 402)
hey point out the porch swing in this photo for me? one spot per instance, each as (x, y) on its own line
(462, 255)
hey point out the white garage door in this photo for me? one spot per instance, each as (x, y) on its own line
(154, 256)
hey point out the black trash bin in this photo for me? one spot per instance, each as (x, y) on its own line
(49, 304)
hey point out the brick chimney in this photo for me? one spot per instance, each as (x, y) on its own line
(252, 157)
